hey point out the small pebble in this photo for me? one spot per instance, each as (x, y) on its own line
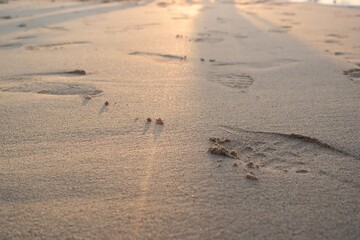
(250, 165)
(22, 25)
(201, 59)
(106, 103)
(219, 140)
(159, 121)
(235, 165)
(251, 176)
(148, 120)
(88, 97)
(212, 60)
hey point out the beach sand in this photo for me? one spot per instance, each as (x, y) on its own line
(107, 110)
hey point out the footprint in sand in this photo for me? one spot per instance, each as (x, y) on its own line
(222, 20)
(334, 35)
(216, 32)
(135, 27)
(290, 21)
(339, 53)
(181, 17)
(7, 17)
(288, 14)
(233, 80)
(53, 88)
(240, 36)
(332, 41)
(276, 63)
(55, 83)
(10, 46)
(164, 4)
(354, 74)
(26, 37)
(160, 56)
(279, 30)
(206, 40)
(292, 154)
(55, 45)
(286, 20)
(58, 28)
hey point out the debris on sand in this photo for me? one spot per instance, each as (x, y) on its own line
(77, 71)
(22, 25)
(251, 176)
(353, 72)
(159, 121)
(302, 171)
(149, 120)
(106, 103)
(233, 153)
(201, 59)
(212, 60)
(219, 140)
(252, 165)
(88, 97)
(235, 165)
(220, 150)
(6, 17)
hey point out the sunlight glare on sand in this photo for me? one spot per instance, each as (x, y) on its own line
(190, 9)
(331, 2)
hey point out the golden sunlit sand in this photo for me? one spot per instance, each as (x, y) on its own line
(179, 120)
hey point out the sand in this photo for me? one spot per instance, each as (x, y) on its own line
(278, 81)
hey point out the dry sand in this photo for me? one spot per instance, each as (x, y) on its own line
(279, 81)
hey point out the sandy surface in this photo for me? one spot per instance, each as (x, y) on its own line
(280, 81)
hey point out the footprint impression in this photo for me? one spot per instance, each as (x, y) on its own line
(233, 80)
(281, 153)
(54, 83)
